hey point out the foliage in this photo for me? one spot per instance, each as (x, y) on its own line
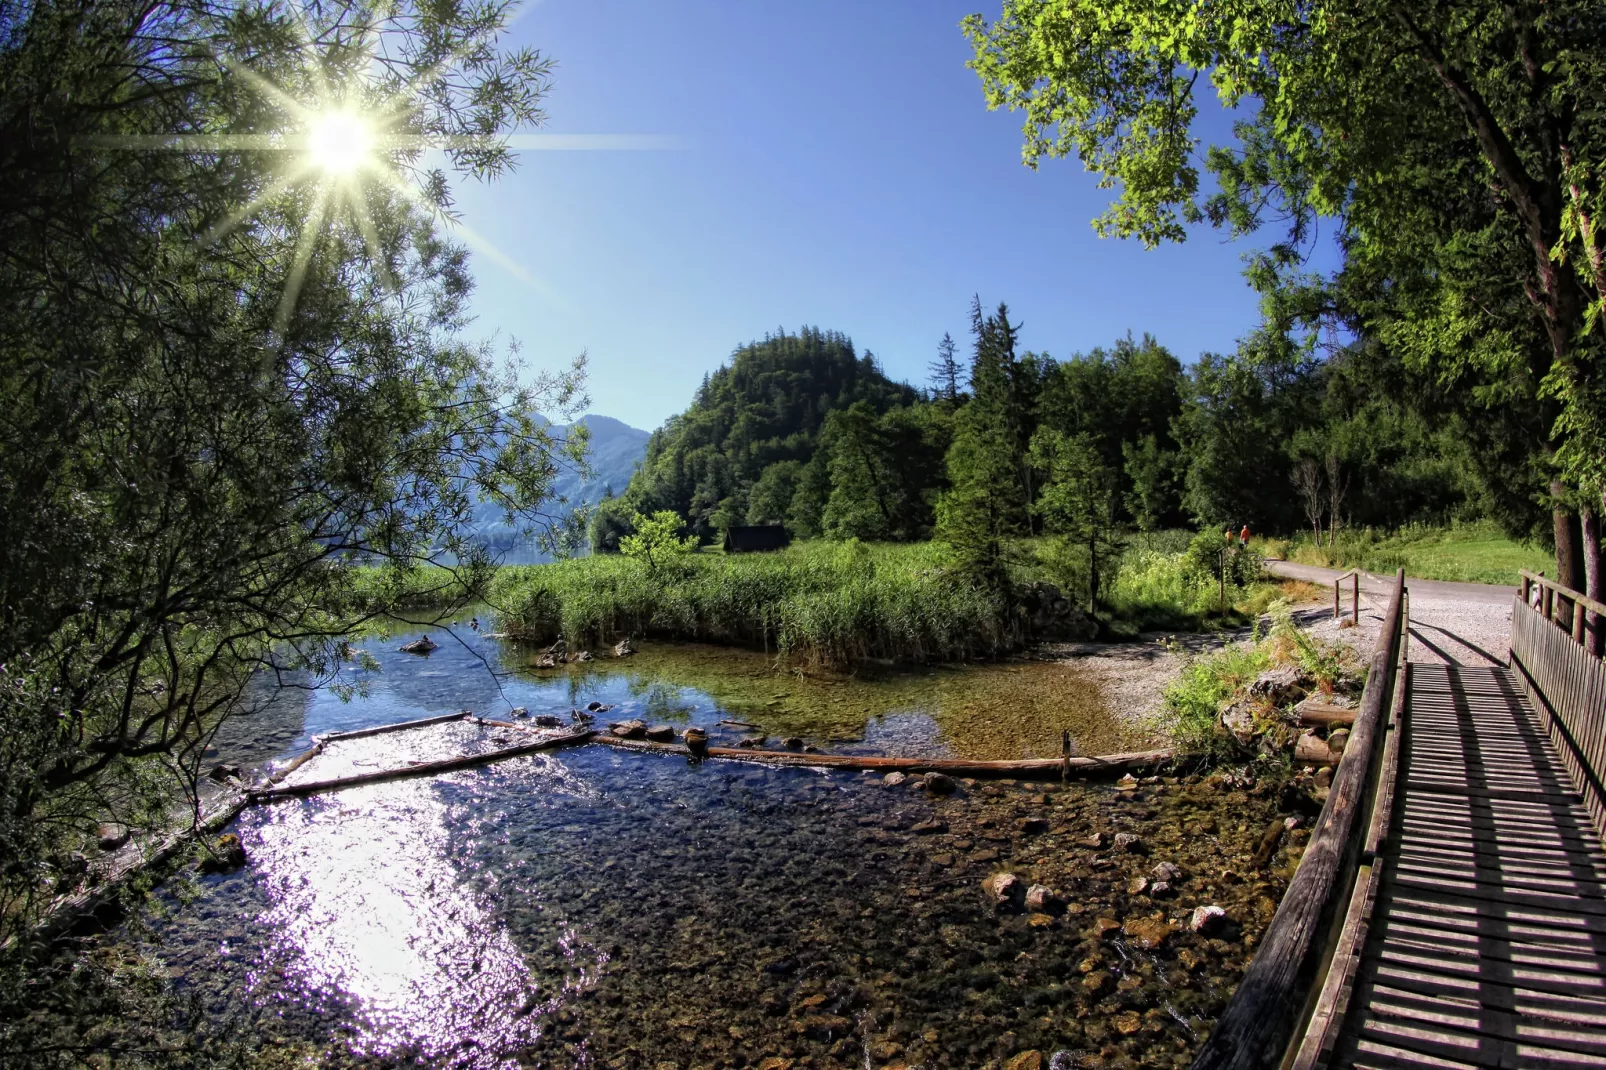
(199, 446)
(1078, 501)
(818, 602)
(1205, 684)
(656, 539)
(1471, 553)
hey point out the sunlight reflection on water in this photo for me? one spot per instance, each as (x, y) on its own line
(369, 900)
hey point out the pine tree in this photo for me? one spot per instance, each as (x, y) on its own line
(945, 372)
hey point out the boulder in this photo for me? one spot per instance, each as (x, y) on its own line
(792, 743)
(631, 729)
(584, 655)
(940, 784)
(547, 720)
(661, 733)
(596, 707)
(624, 648)
(1280, 686)
(422, 645)
(1005, 890)
(1207, 920)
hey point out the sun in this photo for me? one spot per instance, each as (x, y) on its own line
(339, 143)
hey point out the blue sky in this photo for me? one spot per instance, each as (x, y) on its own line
(834, 165)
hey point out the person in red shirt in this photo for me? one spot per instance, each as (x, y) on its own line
(1243, 536)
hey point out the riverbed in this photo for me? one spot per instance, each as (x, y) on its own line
(590, 907)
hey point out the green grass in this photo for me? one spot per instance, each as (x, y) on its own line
(816, 603)
(1471, 553)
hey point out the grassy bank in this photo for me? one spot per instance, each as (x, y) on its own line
(1470, 553)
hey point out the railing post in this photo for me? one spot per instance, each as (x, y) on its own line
(1355, 596)
(1336, 611)
(1578, 622)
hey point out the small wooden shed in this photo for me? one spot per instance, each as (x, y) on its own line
(754, 539)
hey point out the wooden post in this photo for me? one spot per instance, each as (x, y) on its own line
(1223, 581)
(1527, 589)
(1355, 596)
(1578, 622)
(1336, 611)
(1065, 755)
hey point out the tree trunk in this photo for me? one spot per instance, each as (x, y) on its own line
(1594, 583)
(1569, 549)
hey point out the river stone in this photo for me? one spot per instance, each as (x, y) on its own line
(894, 778)
(1005, 889)
(1130, 842)
(792, 743)
(631, 729)
(1026, 1060)
(1206, 920)
(1097, 983)
(1043, 900)
(547, 720)
(927, 828)
(223, 772)
(1149, 934)
(1166, 871)
(1127, 1022)
(1127, 783)
(597, 707)
(422, 645)
(940, 784)
(1160, 890)
(661, 733)
(884, 1051)
(1095, 841)
(1137, 886)
(1032, 826)
(519, 711)
(751, 742)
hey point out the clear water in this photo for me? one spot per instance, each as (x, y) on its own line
(591, 907)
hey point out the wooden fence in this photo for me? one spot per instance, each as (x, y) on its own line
(1566, 683)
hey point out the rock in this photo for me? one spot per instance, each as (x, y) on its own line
(1043, 900)
(894, 778)
(1147, 933)
(584, 655)
(661, 733)
(623, 648)
(697, 742)
(751, 742)
(1337, 740)
(581, 716)
(1104, 928)
(1292, 823)
(1130, 842)
(519, 711)
(1005, 889)
(113, 836)
(1313, 749)
(1239, 719)
(884, 1051)
(775, 1062)
(1127, 783)
(223, 772)
(940, 784)
(597, 707)
(631, 729)
(1137, 886)
(1032, 826)
(422, 645)
(1280, 686)
(1127, 1022)
(792, 742)
(1206, 920)
(1166, 871)
(1026, 1060)
(1160, 890)
(547, 720)
(227, 853)
(1097, 983)
(929, 828)
(1095, 841)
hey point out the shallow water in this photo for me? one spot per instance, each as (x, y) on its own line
(590, 907)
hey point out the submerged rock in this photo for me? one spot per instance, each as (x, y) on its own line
(1130, 842)
(519, 711)
(894, 779)
(752, 742)
(1147, 933)
(224, 772)
(422, 645)
(1043, 900)
(940, 784)
(1207, 920)
(1026, 1060)
(227, 853)
(631, 729)
(661, 733)
(547, 720)
(1005, 889)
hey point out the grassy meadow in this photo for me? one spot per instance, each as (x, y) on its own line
(1470, 553)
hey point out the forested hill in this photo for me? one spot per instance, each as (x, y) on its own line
(747, 449)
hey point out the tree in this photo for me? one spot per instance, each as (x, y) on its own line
(1358, 107)
(771, 496)
(198, 447)
(944, 372)
(1079, 501)
(657, 539)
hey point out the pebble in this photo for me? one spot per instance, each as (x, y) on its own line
(1129, 842)
(1004, 888)
(1043, 900)
(1206, 920)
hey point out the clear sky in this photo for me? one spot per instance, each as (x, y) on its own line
(833, 164)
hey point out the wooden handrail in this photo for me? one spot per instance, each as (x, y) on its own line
(1272, 1001)
(1550, 592)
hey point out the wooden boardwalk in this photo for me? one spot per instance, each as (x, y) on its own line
(1488, 944)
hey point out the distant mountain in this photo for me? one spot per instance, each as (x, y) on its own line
(615, 451)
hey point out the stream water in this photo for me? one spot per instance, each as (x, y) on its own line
(591, 907)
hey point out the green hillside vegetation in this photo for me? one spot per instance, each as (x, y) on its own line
(1469, 553)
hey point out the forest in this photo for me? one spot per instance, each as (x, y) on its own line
(803, 430)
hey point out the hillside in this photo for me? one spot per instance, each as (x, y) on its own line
(748, 449)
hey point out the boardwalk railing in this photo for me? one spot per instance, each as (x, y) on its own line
(1283, 988)
(1566, 682)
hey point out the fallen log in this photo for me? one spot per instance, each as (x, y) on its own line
(422, 722)
(1321, 715)
(444, 765)
(1024, 768)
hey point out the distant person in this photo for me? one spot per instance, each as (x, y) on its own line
(1243, 537)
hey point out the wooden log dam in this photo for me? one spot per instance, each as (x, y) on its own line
(1450, 908)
